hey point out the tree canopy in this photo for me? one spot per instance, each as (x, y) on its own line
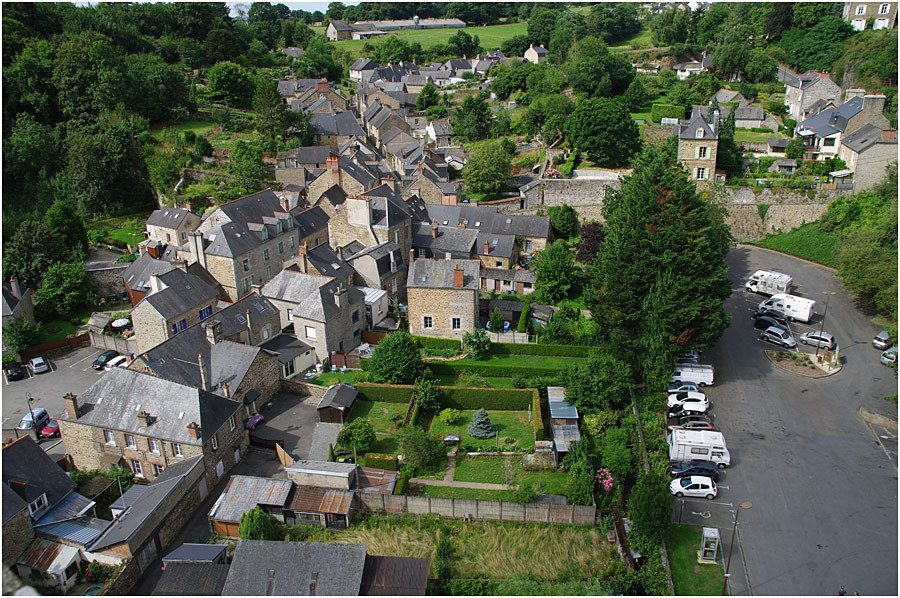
(603, 129)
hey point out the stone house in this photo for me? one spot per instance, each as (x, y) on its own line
(783, 166)
(144, 423)
(431, 187)
(338, 30)
(312, 226)
(439, 132)
(822, 133)
(245, 242)
(867, 152)
(536, 54)
(325, 261)
(727, 96)
(693, 67)
(803, 91)
(698, 141)
(432, 241)
(748, 117)
(176, 301)
(301, 165)
(532, 231)
(17, 303)
(443, 297)
(170, 226)
(361, 69)
(333, 130)
(504, 280)
(881, 15)
(379, 267)
(343, 176)
(496, 251)
(326, 314)
(224, 355)
(396, 145)
(379, 119)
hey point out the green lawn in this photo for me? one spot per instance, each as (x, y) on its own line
(198, 126)
(508, 470)
(808, 241)
(511, 425)
(467, 493)
(488, 382)
(641, 39)
(54, 330)
(124, 230)
(524, 360)
(386, 418)
(329, 378)
(490, 36)
(690, 577)
(644, 116)
(749, 136)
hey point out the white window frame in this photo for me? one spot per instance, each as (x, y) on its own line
(37, 504)
(136, 467)
(109, 438)
(130, 441)
(701, 174)
(153, 443)
(702, 152)
(455, 323)
(290, 314)
(231, 423)
(881, 24)
(884, 9)
(860, 9)
(308, 329)
(698, 134)
(215, 443)
(176, 450)
(288, 369)
(427, 322)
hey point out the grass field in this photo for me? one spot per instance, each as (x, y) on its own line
(467, 493)
(508, 470)
(513, 428)
(641, 39)
(329, 378)
(487, 382)
(755, 136)
(198, 126)
(690, 577)
(490, 36)
(125, 230)
(484, 549)
(385, 418)
(808, 241)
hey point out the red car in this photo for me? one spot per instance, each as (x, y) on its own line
(51, 430)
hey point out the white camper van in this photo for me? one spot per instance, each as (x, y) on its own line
(685, 445)
(699, 374)
(769, 283)
(790, 306)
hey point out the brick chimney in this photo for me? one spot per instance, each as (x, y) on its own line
(434, 231)
(322, 85)
(333, 166)
(201, 363)
(487, 248)
(193, 430)
(71, 402)
(304, 261)
(213, 331)
(458, 278)
(143, 419)
(14, 287)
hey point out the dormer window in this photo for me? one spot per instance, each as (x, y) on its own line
(699, 134)
(278, 227)
(37, 504)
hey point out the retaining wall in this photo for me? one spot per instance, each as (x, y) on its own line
(125, 346)
(107, 277)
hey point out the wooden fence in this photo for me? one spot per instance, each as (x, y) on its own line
(373, 337)
(58, 347)
(344, 360)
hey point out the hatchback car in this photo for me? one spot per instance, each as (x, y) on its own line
(683, 387)
(687, 360)
(14, 371)
(889, 357)
(116, 362)
(680, 398)
(697, 424)
(766, 322)
(39, 365)
(103, 359)
(51, 430)
(822, 340)
(685, 409)
(778, 336)
(680, 469)
(882, 340)
(695, 486)
(35, 419)
(779, 318)
(253, 421)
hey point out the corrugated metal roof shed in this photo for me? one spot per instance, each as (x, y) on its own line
(242, 493)
(309, 499)
(321, 468)
(82, 530)
(564, 436)
(49, 557)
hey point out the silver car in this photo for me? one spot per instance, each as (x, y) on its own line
(882, 340)
(779, 337)
(822, 340)
(39, 365)
(889, 357)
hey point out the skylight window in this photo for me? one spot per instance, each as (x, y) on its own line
(181, 415)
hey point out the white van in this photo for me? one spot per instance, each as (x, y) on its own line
(790, 306)
(699, 374)
(769, 283)
(685, 445)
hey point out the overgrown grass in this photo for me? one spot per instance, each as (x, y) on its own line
(486, 382)
(197, 126)
(58, 329)
(467, 493)
(690, 577)
(808, 241)
(513, 428)
(329, 378)
(490, 36)
(749, 136)
(641, 39)
(508, 470)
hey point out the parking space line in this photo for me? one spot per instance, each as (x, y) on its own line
(83, 358)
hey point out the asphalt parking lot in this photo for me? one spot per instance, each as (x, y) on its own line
(290, 419)
(822, 483)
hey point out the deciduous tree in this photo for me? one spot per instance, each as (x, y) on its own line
(358, 436)
(604, 130)
(558, 277)
(256, 524)
(395, 360)
(487, 170)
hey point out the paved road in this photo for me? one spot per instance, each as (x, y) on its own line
(823, 489)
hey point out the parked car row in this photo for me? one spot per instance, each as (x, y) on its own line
(16, 371)
(882, 341)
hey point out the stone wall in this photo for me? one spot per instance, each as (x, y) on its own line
(107, 277)
(125, 346)
(17, 534)
(442, 305)
(478, 509)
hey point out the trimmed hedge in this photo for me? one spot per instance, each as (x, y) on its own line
(661, 111)
(384, 393)
(429, 342)
(546, 350)
(452, 368)
(402, 483)
(537, 419)
(381, 461)
(457, 397)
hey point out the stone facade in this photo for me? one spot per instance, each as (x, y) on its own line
(698, 156)
(800, 100)
(264, 375)
(17, 534)
(107, 278)
(882, 15)
(869, 166)
(151, 328)
(366, 274)
(338, 333)
(442, 305)
(328, 179)
(174, 236)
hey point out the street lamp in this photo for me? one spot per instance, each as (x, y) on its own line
(828, 295)
(33, 423)
(747, 505)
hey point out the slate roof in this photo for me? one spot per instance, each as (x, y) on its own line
(442, 127)
(394, 576)
(137, 274)
(339, 124)
(778, 143)
(498, 245)
(79, 530)
(381, 253)
(196, 553)
(341, 25)
(243, 493)
(728, 95)
(363, 64)
(512, 275)
(541, 51)
(10, 301)
(286, 347)
(338, 396)
(326, 261)
(749, 113)
(438, 274)
(130, 522)
(307, 155)
(564, 436)
(310, 220)
(192, 579)
(488, 218)
(458, 242)
(183, 292)
(167, 217)
(832, 120)
(295, 569)
(313, 295)
(687, 128)
(867, 136)
(114, 401)
(29, 472)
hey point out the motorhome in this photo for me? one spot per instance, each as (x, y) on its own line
(769, 283)
(685, 445)
(791, 307)
(700, 374)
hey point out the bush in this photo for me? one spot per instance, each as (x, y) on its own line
(661, 111)
(650, 505)
(426, 394)
(450, 415)
(256, 524)
(524, 322)
(456, 397)
(384, 393)
(428, 342)
(481, 426)
(420, 451)
(473, 380)
(617, 456)
(477, 341)
(358, 435)
(381, 461)
(402, 483)
(396, 359)
(537, 419)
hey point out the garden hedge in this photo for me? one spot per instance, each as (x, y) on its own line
(428, 342)
(381, 461)
(546, 350)
(457, 397)
(661, 111)
(402, 483)
(537, 420)
(384, 393)
(452, 368)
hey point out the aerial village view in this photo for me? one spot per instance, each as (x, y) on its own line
(449, 298)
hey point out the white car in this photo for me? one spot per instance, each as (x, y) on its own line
(695, 486)
(690, 397)
(116, 362)
(682, 387)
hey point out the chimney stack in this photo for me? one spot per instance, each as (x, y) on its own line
(204, 383)
(322, 85)
(458, 278)
(143, 419)
(71, 402)
(854, 93)
(195, 239)
(14, 287)
(213, 331)
(193, 430)
(333, 166)
(339, 251)
(412, 256)
(304, 262)
(226, 391)
(153, 249)
(339, 295)
(487, 248)
(285, 203)
(249, 328)
(873, 104)
(434, 231)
